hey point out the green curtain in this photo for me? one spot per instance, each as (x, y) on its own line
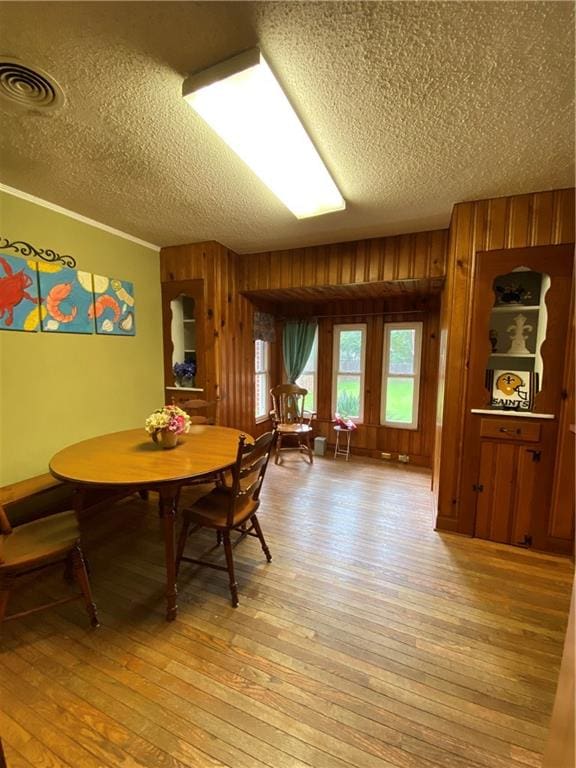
(297, 342)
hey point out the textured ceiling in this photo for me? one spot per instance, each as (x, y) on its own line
(414, 106)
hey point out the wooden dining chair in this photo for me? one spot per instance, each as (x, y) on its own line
(200, 411)
(231, 506)
(291, 420)
(36, 545)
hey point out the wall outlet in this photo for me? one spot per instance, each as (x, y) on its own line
(386, 456)
(404, 458)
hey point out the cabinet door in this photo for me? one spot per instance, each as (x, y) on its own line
(507, 478)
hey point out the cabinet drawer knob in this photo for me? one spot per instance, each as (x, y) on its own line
(511, 431)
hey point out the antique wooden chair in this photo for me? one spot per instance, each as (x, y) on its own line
(200, 411)
(290, 419)
(231, 506)
(36, 545)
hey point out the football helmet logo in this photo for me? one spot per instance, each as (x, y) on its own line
(510, 384)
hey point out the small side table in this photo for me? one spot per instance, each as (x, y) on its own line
(342, 449)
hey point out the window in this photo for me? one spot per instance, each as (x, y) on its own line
(262, 379)
(401, 375)
(348, 371)
(308, 378)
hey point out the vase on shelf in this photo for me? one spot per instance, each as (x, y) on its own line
(165, 438)
(185, 382)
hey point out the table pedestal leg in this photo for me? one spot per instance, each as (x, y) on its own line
(168, 497)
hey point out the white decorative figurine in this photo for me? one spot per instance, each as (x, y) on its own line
(519, 331)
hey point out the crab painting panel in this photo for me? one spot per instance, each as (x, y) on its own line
(67, 301)
(18, 294)
(114, 306)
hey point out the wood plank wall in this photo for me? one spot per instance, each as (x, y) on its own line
(228, 315)
(540, 218)
(404, 257)
(229, 352)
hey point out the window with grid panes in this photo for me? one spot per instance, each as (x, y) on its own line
(262, 379)
(308, 378)
(401, 375)
(349, 365)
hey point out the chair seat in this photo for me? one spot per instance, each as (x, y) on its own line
(294, 429)
(40, 540)
(212, 510)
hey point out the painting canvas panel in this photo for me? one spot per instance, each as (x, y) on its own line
(67, 301)
(114, 306)
(512, 390)
(18, 294)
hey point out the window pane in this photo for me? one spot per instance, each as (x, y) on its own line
(402, 350)
(350, 351)
(399, 400)
(312, 357)
(307, 382)
(261, 395)
(348, 396)
(260, 356)
(261, 378)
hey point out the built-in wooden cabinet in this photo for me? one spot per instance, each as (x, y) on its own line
(508, 475)
(513, 407)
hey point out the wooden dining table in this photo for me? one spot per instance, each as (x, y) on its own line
(131, 461)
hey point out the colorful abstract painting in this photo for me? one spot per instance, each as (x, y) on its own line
(114, 306)
(67, 301)
(18, 294)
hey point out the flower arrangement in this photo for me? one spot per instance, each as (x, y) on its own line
(343, 423)
(184, 371)
(170, 418)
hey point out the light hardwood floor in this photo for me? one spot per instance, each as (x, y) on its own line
(369, 641)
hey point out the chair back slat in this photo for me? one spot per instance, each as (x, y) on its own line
(200, 411)
(251, 462)
(288, 403)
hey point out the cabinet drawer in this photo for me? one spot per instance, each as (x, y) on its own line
(510, 429)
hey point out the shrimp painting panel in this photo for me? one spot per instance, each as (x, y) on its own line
(114, 306)
(67, 301)
(18, 294)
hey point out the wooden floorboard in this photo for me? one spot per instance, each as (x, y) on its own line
(369, 641)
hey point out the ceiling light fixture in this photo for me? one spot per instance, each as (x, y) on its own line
(242, 101)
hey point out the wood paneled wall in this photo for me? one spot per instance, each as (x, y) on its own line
(229, 365)
(371, 438)
(540, 218)
(404, 257)
(229, 351)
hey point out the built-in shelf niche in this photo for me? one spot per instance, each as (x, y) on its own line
(183, 329)
(518, 322)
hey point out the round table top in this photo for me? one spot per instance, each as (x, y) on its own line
(132, 458)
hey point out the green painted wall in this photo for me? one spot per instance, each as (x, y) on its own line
(58, 388)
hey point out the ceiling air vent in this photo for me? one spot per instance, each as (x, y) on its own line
(28, 88)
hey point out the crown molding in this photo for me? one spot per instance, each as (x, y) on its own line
(77, 216)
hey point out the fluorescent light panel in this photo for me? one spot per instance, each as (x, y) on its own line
(242, 101)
